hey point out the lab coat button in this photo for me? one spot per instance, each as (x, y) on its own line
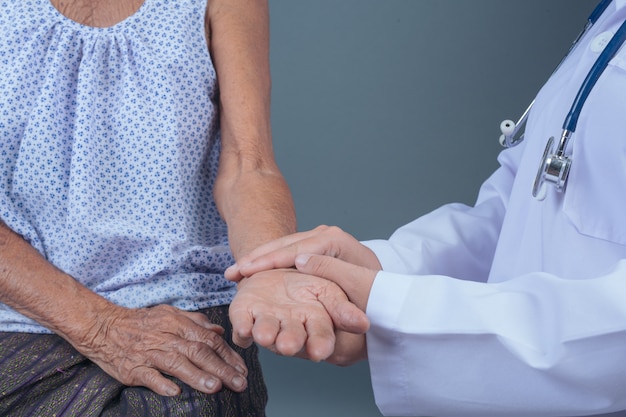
(599, 42)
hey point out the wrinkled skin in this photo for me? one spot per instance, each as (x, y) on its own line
(295, 314)
(137, 346)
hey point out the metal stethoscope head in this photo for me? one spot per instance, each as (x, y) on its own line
(555, 164)
(553, 167)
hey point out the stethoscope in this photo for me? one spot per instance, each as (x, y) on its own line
(555, 164)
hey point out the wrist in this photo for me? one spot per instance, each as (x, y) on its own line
(88, 320)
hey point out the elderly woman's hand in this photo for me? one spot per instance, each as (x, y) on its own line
(138, 346)
(296, 315)
(135, 346)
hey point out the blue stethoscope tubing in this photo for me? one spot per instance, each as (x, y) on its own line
(555, 165)
(511, 130)
(571, 120)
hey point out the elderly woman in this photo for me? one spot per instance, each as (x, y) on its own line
(123, 159)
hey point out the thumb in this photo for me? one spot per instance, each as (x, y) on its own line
(345, 315)
(356, 281)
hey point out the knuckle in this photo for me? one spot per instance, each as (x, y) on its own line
(199, 352)
(140, 377)
(214, 340)
(289, 347)
(334, 230)
(201, 317)
(221, 372)
(169, 360)
(127, 372)
(195, 350)
(319, 265)
(137, 376)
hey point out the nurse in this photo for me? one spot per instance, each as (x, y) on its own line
(515, 306)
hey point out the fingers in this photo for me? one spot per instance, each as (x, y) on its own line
(291, 338)
(266, 329)
(281, 253)
(202, 320)
(349, 349)
(320, 343)
(205, 361)
(313, 339)
(242, 323)
(155, 381)
(235, 273)
(206, 367)
(146, 344)
(345, 315)
(195, 364)
(286, 336)
(293, 314)
(356, 281)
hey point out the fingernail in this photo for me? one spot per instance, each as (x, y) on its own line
(240, 369)
(171, 391)
(239, 382)
(301, 260)
(210, 383)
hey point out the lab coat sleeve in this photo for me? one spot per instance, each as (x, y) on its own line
(536, 345)
(455, 240)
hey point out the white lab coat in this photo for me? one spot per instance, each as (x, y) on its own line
(516, 307)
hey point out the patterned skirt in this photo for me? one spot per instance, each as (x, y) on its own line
(42, 375)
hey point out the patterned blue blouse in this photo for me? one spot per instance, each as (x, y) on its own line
(109, 145)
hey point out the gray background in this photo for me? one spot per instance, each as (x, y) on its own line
(384, 110)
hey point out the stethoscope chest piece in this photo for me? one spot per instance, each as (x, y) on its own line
(553, 168)
(555, 165)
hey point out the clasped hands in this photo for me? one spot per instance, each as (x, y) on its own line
(305, 295)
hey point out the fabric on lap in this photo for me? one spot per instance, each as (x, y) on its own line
(42, 375)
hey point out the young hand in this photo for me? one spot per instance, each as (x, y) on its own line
(282, 252)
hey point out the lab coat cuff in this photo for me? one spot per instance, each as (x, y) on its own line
(388, 257)
(390, 380)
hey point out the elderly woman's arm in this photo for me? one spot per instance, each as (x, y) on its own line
(133, 345)
(251, 193)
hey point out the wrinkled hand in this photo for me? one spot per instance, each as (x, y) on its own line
(138, 346)
(282, 252)
(293, 314)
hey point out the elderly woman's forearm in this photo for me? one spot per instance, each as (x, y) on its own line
(258, 208)
(251, 193)
(131, 345)
(37, 289)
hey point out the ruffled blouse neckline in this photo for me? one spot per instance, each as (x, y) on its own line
(58, 16)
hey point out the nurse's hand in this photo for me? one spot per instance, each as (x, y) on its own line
(350, 348)
(282, 252)
(293, 314)
(355, 280)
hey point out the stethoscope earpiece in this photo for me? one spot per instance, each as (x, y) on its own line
(507, 127)
(555, 165)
